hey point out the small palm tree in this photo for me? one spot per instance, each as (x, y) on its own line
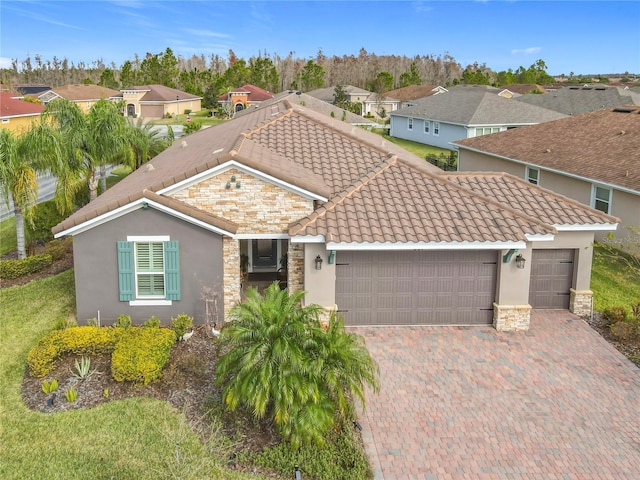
(22, 157)
(281, 364)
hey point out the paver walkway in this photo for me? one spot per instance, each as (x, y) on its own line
(556, 402)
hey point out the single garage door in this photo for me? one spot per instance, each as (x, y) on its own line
(551, 278)
(416, 288)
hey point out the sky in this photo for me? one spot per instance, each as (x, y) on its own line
(579, 36)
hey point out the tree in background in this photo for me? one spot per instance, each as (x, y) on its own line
(383, 82)
(22, 157)
(310, 77)
(108, 79)
(412, 77)
(263, 73)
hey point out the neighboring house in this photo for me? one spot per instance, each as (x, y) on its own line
(244, 97)
(462, 113)
(17, 115)
(368, 229)
(85, 96)
(373, 104)
(517, 89)
(31, 89)
(578, 99)
(409, 94)
(158, 101)
(593, 158)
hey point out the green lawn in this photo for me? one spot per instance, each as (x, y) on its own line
(419, 149)
(124, 439)
(201, 116)
(612, 282)
(8, 242)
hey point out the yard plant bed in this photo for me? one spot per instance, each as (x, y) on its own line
(188, 383)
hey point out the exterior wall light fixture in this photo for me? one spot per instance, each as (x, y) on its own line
(520, 261)
(318, 262)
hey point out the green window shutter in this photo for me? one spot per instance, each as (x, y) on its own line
(126, 283)
(172, 270)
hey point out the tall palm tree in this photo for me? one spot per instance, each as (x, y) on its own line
(145, 143)
(281, 364)
(39, 150)
(93, 140)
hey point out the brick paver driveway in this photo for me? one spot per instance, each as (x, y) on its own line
(556, 402)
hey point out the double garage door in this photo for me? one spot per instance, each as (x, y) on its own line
(416, 288)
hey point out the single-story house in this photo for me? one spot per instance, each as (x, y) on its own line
(85, 96)
(409, 94)
(373, 104)
(593, 158)
(244, 97)
(579, 99)
(158, 101)
(462, 113)
(363, 226)
(18, 115)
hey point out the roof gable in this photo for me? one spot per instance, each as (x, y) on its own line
(84, 92)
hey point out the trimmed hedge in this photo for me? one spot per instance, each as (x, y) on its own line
(10, 269)
(77, 340)
(141, 353)
(138, 354)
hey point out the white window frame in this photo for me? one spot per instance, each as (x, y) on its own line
(147, 300)
(530, 178)
(410, 123)
(436, 128)
(594, 197)
(427, 127)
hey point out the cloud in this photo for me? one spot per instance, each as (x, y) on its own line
(526, 51)
(207, 33)
(422, 7)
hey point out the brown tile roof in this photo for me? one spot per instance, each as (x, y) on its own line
(603, 146)
(549, 207)
(376, 191)
(256, 94)
(13, 107)
(160, 93)
(412, 92)
(85, 92)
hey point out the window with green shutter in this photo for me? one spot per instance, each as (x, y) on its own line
(148, 270)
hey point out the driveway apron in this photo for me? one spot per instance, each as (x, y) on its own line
(556, 402)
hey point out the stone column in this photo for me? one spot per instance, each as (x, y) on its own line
(580, 302)
(507, 318)
(231, 269)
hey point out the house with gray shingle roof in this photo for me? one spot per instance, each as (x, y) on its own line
(579, 99)
(463, 112)
(593, 158)
(366, 228)
(373, 104)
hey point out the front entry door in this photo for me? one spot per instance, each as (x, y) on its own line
(264, 253)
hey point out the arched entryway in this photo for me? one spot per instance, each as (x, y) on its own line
(131, 110)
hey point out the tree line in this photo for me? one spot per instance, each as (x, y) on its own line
(212, 76)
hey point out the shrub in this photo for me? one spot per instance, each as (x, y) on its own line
(141, 353)
(627, 330)
(78, 340)
(71, 394)
(341, 457)
(49, 387)
(57, 248)
(123, 321)
(153, 322)
(615, 314)
(10, 269)
(62, 323)
(181, 324)
(45, 217)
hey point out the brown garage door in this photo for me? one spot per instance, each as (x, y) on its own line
(551, 278)
(416, 288)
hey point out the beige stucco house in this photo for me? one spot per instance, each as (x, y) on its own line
(158, 101)
(85, 96)
(593, 158)
(18, 115)
(363, 226)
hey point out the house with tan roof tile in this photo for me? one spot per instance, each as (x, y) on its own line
(373, 104)
(244, 97)
(85, 96)
(593, 158)
(158, 101)
(463, 112)
(363, 226)
(16, 114)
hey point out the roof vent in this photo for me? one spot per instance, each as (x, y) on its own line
(621, 132)
(150, 167)
(624, 109)
(548, 150)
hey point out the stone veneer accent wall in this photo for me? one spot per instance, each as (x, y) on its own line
(295, 267)
(257, 207)
(507, 318)
(580, 302)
